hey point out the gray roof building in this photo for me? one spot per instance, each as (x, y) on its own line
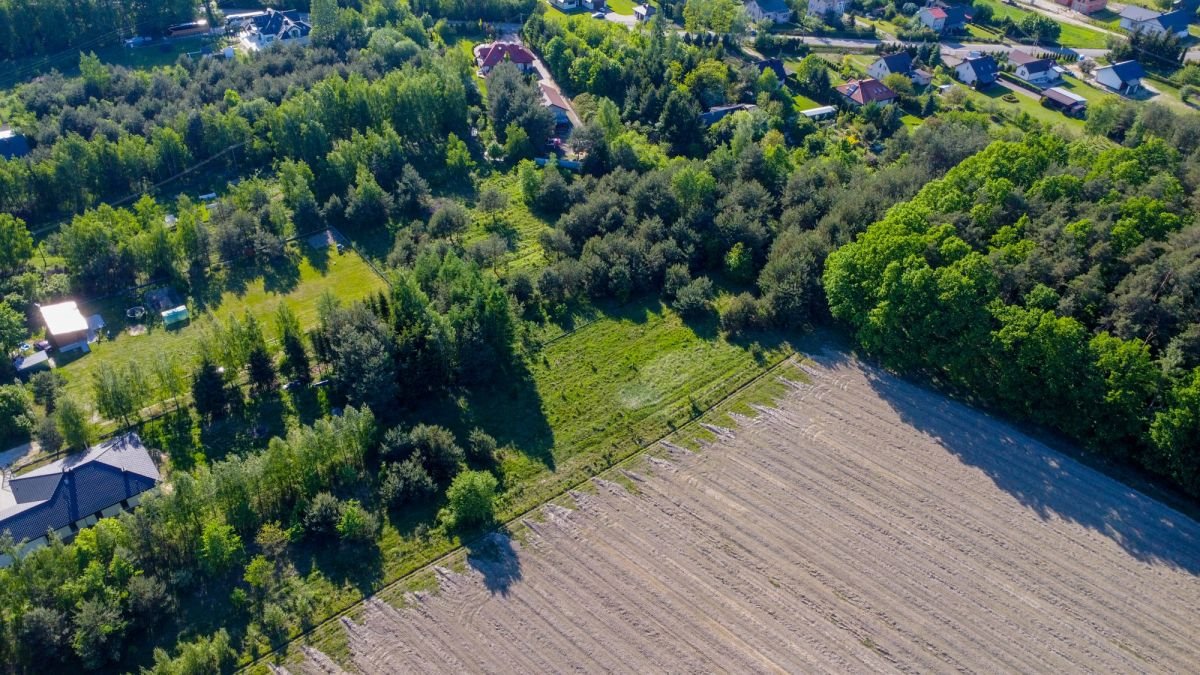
(62, 493)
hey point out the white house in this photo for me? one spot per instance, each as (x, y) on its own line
(977, 71)
(1124, 77)
(1141, 20)
(1032, 69)
(565, 5)
(644, 12)
(274, 28)
(826, 7)
(891, 64)
(772, 11)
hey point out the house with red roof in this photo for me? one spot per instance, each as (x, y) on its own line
(863, 92)
(490, 55)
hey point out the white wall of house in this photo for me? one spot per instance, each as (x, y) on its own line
(966, 74)
(878, 70)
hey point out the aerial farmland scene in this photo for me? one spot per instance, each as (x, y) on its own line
(547, 336)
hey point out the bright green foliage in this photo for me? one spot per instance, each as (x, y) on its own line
(220, 547)
(1176, 435)
(16, 244)
(472, 495)
(202, 656)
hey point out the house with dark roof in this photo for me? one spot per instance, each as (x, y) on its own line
(720, 112)
(891, 64)
(774, 65)
(977, 71)
(66, 496)
(822, 8)
(644, 12)
(771, 11)
(859, 93)
(1124, 77)
(274, 27)
(945, 18)
(1141, 20)
(492, 54)
(1032, 69)
(12, 144)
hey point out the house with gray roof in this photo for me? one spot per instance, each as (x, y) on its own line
(70, 494)
(1141, 20)
(1124, 77)
(773, 11)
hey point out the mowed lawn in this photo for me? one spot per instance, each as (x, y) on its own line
(299, 282)
(600, 393)
(1071, 35)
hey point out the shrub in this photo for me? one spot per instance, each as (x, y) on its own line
(693, 299)
(405, 482)
(356, 524)
(740, 314)
(324, 514)
(472, 495)
(481, 447)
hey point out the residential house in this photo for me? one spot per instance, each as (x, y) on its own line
(1068, 102)
(1084, 6)
(1032, 69)
(565, 5)
(644, 12)
(899, 63)
(492, 54)
(1124, 77)
(65, 326)
(949, 19)
(12, 144)
(921, 77)
(1141, 20)
(771, 11)
(73, 493)
(594, 5)
(859, 93)
(775, 65)
(275, 28)
(553, 99)
(977, 71)
(720, 112)
(827, 7)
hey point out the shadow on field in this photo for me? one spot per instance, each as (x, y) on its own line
(1039, 477)
(494, 557)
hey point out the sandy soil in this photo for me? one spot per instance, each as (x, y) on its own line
(865, 525)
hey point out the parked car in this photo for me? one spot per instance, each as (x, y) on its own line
(138, 41)
(598, 15)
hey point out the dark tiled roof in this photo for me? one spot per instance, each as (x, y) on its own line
(900, 62)
(773, 6)
(12, 144)
(716, 113)
(1139, 14)
(490, 55)
(984, 66)
(958, 14)
(1175, 22)
(58, 494)
(775, 65)
(1128, 71)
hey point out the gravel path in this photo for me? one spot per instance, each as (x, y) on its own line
(864, 525)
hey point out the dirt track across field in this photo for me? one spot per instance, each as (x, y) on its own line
(863, 525)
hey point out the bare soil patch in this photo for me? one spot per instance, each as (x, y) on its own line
(863, 525)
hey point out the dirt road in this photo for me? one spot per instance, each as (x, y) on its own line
(864, 525)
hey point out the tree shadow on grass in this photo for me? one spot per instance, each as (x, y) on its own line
(495, 558)
(359, 565)
(282, 273)
(1046, 480)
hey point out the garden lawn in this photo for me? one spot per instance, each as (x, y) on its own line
(299, 282)
(516, 223)
(1071, 35)
(994, 95)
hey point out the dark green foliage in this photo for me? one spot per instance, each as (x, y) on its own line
(322, 516)
(514, 102)
(405, 483)
(209, 392)
(481, 447)
(695, 298)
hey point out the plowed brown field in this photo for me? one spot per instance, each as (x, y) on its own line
(865, 524)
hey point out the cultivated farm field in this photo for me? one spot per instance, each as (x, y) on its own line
(863, 524)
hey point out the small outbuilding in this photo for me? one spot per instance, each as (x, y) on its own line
(1068, 102)
(66, 326)
(644, 12)
(176, 316)
(32, 363)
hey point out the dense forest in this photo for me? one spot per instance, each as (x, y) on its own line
(1054, 279)
(48, 26)
(1059, 282)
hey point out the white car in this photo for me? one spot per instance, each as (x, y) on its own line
(598, 15)
(138, 41)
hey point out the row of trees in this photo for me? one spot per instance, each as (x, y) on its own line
(40, 28)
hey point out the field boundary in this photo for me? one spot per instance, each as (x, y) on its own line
(636, 453)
